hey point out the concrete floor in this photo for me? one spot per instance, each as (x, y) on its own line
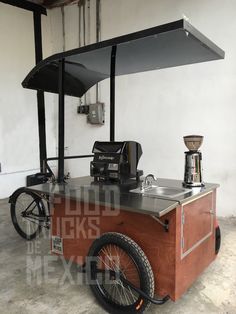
(213, 292)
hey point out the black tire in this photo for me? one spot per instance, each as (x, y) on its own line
(139, 270)
(218, 240)
(20, 200)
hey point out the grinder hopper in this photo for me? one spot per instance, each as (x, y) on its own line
(193, 161)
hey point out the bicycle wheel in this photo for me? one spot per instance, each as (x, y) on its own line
(27, 213)
(118, 253)
(218, 239)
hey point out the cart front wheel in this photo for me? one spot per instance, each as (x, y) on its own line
(112, 254)
(27, 212)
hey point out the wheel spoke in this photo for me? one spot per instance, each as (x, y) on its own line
(115, 267)
(116, 259)
(29, 207)
(25, 206)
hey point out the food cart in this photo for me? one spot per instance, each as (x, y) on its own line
(136, 249)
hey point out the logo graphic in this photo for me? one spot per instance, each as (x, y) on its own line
(106, 157)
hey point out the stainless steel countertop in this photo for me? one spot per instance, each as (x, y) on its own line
(114, 196)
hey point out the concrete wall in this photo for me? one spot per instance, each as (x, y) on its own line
(19, 155)
(165, 105)
(157, 108)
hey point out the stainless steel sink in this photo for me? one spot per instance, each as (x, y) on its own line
(161, 191)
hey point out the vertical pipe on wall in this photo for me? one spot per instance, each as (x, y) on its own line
(63, 29)
(88, 23)
(79, 35)
(79, 25)
(84, 38)
(98, 34)
(61, 121)
(112, 93)
(84, 24)
(98, 19)
(40, 94)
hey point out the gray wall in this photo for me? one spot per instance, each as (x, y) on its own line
(18, 106)
(157, 108)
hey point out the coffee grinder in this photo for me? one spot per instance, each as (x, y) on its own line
(193, 161)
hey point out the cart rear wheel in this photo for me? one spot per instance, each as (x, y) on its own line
(117, 253)
(218, 240)
(26, 211)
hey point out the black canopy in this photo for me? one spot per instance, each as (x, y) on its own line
(169, 45)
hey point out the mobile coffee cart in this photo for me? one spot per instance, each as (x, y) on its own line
(149, 248)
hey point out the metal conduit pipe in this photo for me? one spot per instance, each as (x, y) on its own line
(98, 36)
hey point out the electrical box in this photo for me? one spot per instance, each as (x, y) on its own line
(83, 109)
(96, 113)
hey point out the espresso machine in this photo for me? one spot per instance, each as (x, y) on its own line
(116, 162)
(193, 161)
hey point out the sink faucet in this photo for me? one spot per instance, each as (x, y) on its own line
(148, 180)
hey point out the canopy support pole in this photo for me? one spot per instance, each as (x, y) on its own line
(112, 93)
(40, 94)
(37, 11)
(61, 121)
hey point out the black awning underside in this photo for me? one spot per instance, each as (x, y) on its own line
(169, 45)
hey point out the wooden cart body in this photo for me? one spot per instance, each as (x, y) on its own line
(177, 257)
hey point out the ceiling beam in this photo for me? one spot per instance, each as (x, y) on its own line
(58, 3)
(26, 5)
